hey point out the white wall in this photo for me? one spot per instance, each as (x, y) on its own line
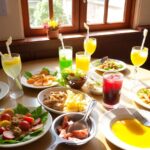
(12, 23)
(142, 15)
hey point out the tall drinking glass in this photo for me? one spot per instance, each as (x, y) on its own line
(65, 57)
(12, 67)
(138, 57)
(112, 84)
(90, 45)
(83, 61)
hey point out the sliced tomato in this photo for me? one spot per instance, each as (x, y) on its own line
(29, 119)
(80, 134)
(37, 121)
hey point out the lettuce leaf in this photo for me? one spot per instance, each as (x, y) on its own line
(38, 113)
(20, 109)
(27, 75)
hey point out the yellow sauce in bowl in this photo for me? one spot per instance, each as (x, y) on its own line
(132, 132)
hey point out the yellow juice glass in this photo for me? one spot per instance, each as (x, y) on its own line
(138, 57)
(90, 45)
(82, 61)
(12, 67)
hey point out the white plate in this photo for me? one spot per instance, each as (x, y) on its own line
(135, 98)
(46, 91)
(45, 129)
(96, 63)
(4, 89)
(91, 85)
(26, 84)
(109, 118)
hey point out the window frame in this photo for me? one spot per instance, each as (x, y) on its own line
(79, 13)
(28, 31)
(128, 17)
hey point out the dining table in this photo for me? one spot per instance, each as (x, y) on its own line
(29, 99)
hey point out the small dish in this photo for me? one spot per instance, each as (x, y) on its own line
(96, 63)
(94, 87)
(4, 89)
(76, 83)
(94, 82)
(73, 116)
(26, 84)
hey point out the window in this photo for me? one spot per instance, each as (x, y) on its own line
(99, 14)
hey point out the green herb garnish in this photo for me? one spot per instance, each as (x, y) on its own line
(20, 109)
(27, 75)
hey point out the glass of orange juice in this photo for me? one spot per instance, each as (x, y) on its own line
(82, 61)
(138, 57)
(90, 45)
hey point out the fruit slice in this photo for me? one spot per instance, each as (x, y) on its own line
(37, 127)
(5, 123)
(37, 121)
(8, 135)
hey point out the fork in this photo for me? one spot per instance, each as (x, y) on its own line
(136, 114)
(139, 117)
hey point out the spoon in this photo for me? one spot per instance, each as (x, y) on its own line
(82, 123)
(103, 59)
(145, 32)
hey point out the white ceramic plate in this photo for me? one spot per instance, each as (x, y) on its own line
(45, 129)
(135, 98)
(4, 89)
(109, 118)
(26, 84)
(46, 92)
(96, 63)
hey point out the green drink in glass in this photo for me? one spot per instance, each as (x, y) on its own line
(65, 57)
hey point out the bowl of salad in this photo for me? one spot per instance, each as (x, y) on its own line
(22, 125)
(74, 78)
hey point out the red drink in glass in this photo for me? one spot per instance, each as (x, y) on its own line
(112, 83)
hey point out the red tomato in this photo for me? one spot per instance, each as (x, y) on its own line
(24, 125)
(5, 116)
(29, 119)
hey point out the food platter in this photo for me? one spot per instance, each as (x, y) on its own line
(109, 118)
(46, 127)
(24, 81)
(77, 101)
(120, 65)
